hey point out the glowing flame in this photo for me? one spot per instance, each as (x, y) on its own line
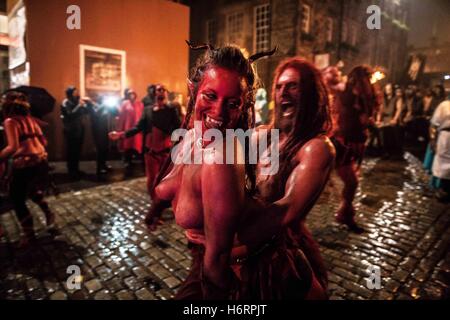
(377, 76)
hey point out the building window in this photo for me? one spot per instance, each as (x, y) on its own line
(235, 24)
(306, 18)
(211, 32)
(329, 29)
(353, 35)
(262, 27)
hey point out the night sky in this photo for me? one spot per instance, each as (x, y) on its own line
(426, 16)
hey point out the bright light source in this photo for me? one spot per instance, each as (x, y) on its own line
(111, 101)
(377, 76)
(447, 77)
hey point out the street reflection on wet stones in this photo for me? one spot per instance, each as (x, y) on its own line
(100, 230)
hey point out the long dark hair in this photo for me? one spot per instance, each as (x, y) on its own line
(312, 117)
(370, 96)
(15, 103)
(228, 57)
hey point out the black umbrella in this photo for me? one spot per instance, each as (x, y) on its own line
(41, 101)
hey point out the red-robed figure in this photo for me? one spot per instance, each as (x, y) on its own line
(129, 114)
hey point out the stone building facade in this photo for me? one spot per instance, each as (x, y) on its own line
(321, 31)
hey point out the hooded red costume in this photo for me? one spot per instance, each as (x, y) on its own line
(129, 114)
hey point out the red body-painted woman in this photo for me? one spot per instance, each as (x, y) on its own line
(229, 260)
(26, 147)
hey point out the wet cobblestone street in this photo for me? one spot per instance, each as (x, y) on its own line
(100, 230)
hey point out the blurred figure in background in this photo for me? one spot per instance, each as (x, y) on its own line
(440, 143)
(149, 99)
(334, 82)
(261, 107)
(126, 95)
(438, 96)
(156, 124)
(421, 121)
(433, 97)
(99, 115)
(391, 130)
(73, 110)
(175, 100)
(355, 109)
(413, 112)
(129, 114)
(26, 146)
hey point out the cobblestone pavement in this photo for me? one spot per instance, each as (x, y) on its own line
(100, 230)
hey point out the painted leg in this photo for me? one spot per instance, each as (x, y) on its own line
(346, 212)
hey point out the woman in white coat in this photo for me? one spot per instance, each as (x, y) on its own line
(440, 123)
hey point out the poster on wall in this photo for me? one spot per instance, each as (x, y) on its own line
(102, 72)
(19, 69)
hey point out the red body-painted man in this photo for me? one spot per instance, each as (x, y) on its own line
(306, 158)
(157, 124)
(354, 109)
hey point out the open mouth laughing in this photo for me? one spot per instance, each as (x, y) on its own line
(287, 108)
(211, 123)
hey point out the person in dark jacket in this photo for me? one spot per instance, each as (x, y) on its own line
(149, 99)
(99, 114)
(73, 110)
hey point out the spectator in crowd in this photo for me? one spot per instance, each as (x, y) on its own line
(73, 110)
(99, 114)
(156, 125)
(391, 127)
(261, 107)
(412, 116)
(126, 95)
(440, 142)
(149, 99)
(129, 114)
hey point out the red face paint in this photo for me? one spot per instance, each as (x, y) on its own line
(287, 95)
(160, 93)
(220, 99)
